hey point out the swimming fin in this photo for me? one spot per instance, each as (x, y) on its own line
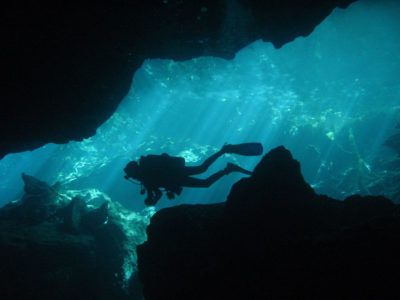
(248, 149)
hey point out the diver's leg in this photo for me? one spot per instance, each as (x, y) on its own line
(197, 182)
(200, 183)
(230, 167)
(206, 164)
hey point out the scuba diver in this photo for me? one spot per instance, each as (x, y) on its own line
(170, 173)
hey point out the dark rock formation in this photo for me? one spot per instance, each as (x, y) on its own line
(52, 247)
(274, 238)
(66, 67)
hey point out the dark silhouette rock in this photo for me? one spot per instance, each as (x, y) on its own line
(66, 67)
(274, 238)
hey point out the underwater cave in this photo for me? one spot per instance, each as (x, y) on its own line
(331, 95)
(332, 98)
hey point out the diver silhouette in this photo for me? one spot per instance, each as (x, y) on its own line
(170, 173)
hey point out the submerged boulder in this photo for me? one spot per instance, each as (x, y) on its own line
(39, 203)
(56, 247)
(273, 238)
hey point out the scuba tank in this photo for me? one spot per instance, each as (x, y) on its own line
(247, 149)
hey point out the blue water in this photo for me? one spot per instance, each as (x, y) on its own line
(332, 98)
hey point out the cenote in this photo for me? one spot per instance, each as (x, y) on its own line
(331, 98)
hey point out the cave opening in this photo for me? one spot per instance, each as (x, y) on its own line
(332, 98)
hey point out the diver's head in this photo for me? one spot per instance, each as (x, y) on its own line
(132, 170)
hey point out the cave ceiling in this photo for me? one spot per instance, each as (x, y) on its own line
(66, 66)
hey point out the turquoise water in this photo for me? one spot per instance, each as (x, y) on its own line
(332, 98)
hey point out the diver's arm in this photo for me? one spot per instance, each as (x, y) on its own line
(153, 195)
(149, 193)
(150, 196)
(158, 195)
